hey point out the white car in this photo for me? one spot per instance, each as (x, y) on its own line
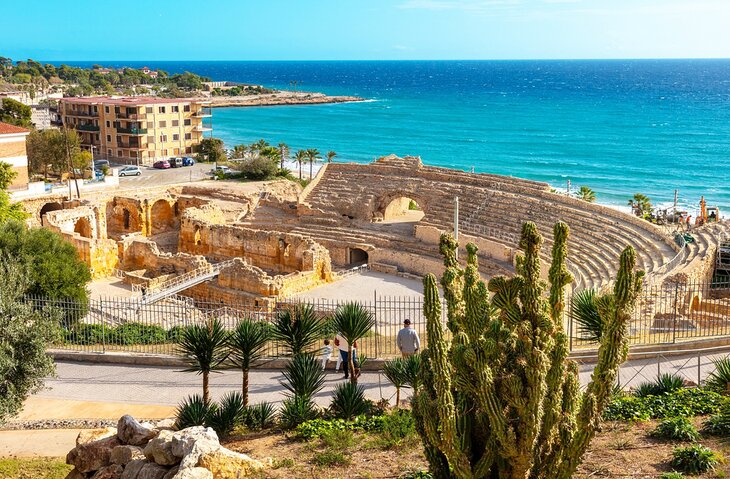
(221, 169)
(130, 171)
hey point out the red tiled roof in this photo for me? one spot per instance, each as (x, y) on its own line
(130, 100)
(7, 129)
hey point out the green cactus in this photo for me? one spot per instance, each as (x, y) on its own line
(501, 400)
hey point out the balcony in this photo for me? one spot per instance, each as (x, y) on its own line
(130, 116)
(203, 113)
(132, 131)
(130, 146)
(202, 128)
(93, 114)
(81, 127)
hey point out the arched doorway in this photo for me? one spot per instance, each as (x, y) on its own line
(358, 256)
(162, 217)
(48, 207)
(402, 209)
(83, 227)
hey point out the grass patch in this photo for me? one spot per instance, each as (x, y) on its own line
(331, 458)
(33, 468)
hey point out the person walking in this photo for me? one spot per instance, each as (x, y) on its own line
(342, 345)
(407, 341)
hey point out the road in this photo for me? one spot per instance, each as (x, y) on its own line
(154, 177)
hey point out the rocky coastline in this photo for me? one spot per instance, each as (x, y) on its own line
(280, 98)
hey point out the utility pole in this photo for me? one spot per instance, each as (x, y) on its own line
(456, 224)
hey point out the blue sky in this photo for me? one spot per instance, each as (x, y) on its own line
(363, 30)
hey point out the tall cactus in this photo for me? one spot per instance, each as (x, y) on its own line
(500, 399)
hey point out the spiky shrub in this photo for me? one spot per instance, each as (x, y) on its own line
(665, 383)
(695, 459)
(501, 399)
(204, 349)
(348, 401)
(353, 321)
(586, 315)
(298, 328)
(229, 413)
(246, 344)
(303, 376)
(676, 429)
(296, 410)
(395, 371)
(193, 411)
(719, 380)
(260, 416)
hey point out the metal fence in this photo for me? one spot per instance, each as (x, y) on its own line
(664, 315)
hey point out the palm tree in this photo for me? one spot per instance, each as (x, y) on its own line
(353, 322)
(641, 205)
(204, 349)
(312, 155)
(246, 344)
(298, 328)
(586, 315)
(299, 157)
(394, 370)
(587, 194)
(331, 156)
(283, 153)
(238, 151)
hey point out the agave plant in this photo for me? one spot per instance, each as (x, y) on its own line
(204, 348)
(664, 383)
(228, 414)
(719, 380)
(412, 368)
(348, 401)
(260, 416)
(246, 344)
(295, 410)
(585, 313)
(353, 322)
(304, 376)
(193, 411)
(395, 371)
(298, 328)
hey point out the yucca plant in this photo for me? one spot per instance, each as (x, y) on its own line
(719, 380)
(585, 313)
(260, 416)
(298, 328)
(205, 349)
(665, 383)
(296, 410)
(395, 371)
(228, 414)
(348, 401)
(193, 411)
(412, 368)
(247, 344)
(304, 376)
(353, 321)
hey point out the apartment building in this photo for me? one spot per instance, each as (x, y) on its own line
(12, 151)
(137, 130)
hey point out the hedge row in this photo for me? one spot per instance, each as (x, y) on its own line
(124, 334)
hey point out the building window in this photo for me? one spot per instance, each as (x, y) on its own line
(108, 124)
(175, 109)
(163, 138)
(106, 109)
(150, 125)
(188, 136)
(150, 139)
(108, 152)
(175, 137)
(149, 109)
(161, 109)
(188, 149)
(175, 122)
(131, 111)
(117, 124)
(186, 108)
(187, 122)
(163, 124)
(119, 140)
(116, 110)
(97, 137)
(119, 153)
(109, 139)
(132, 154)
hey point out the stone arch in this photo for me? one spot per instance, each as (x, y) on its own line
(83, 227)
(48, 207)
(162, 216)
(401, 207)
(358, 256)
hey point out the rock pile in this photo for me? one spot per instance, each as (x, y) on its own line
(136, 450)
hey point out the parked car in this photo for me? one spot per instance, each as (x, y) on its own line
(130, 171)
(221, 169)
(161, 164)
(187, 161)
(176, 162)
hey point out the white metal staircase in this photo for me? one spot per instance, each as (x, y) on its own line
(180, 283)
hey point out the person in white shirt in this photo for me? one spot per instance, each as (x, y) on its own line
(342, 345)
(326, 353)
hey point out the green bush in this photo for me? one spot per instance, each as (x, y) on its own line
(677, 429)
(396, 427)
(175, 333)
(416, 475)
(227, 415)
(719, 380)
(672, 475)
(348, 401)
(695, 459)
(137, 333)
(191, 412)
(719, 424)
(317, 427)
(666, 383)
(260, 416)
(682, 402)
(295, 410)
(85, 334)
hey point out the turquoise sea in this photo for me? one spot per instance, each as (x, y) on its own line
(620, 127)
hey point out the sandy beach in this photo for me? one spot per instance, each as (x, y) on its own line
(280, 97)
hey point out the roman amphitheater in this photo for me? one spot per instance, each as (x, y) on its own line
(214, 241)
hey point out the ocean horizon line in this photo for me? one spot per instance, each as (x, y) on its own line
(556, 59)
